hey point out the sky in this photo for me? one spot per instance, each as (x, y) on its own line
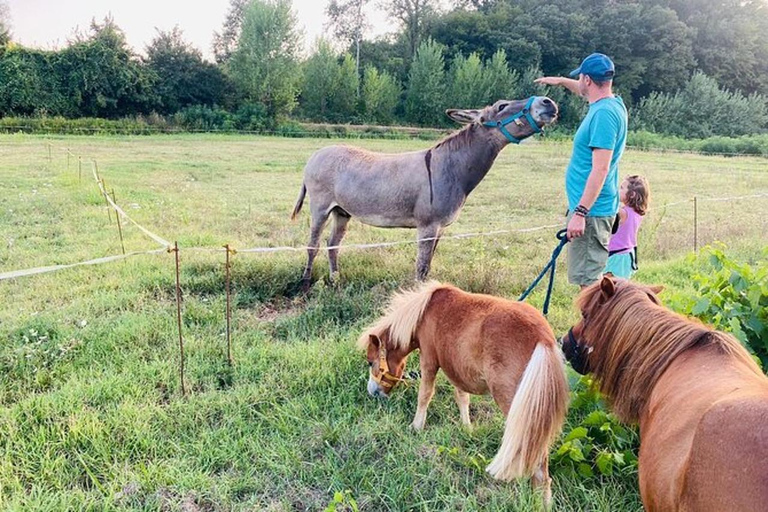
(50, 23)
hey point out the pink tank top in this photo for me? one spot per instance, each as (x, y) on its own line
(625, 238)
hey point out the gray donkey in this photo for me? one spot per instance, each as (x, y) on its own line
(421, 189)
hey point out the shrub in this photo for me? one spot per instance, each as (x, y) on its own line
(733, 297)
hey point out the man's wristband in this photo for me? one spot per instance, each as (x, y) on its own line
(581, 211)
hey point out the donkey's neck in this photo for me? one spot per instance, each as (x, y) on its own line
(469, 155)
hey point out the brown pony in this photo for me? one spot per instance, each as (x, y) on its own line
(700, 399)
(483, 344)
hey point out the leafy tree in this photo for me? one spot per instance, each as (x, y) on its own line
(5, 23)
(380, 95)
(344, 97)
(225, 42)
(414, 16)
(349, 22)
(102, 77)
(264, 66)
(183, 77)
(499, 82)
(467, 84)
(425, 100)
(320, 77)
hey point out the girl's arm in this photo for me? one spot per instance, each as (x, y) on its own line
(622, 215)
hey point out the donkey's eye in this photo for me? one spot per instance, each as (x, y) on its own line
(370, 364)
(503, 106)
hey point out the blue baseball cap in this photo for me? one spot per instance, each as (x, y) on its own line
(598, 67)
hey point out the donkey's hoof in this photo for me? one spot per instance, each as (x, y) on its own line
(305, 285)
(334, 279)
(417, 427)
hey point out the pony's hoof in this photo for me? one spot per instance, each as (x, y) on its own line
(417, 427)
(305, 285)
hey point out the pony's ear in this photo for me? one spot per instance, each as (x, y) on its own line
(374, 340)
(607, 287)
(463, 116)
(656, 289)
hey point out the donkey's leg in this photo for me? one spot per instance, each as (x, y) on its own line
(426, 392)
(426, 249)
(462, 399)
(319, 218)
(541, 480)
(339, 229)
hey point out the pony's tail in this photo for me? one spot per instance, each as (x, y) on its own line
(535, 416)
(299, 201)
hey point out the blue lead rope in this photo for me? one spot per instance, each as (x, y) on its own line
(563, 237)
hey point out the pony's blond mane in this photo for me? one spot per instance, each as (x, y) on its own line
(635, 339)
(402, 316)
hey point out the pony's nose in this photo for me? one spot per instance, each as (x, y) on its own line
(548, 102)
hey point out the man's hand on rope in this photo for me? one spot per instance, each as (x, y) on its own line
(576, 227)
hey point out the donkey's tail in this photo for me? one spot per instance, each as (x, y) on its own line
(535, 416)
(299, 201)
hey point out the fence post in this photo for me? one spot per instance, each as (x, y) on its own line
(106, 201)
(67, 159)
(229, 310)
(50, 157)
(119, 225)
(695, 224)
(80, 169)
(178, 320)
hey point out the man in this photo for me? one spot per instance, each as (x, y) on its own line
(592, 177)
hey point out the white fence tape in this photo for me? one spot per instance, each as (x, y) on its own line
(53, 268)
(165, 243)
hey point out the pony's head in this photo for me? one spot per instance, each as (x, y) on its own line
(386, 362)
(595, 303)
(514, 119)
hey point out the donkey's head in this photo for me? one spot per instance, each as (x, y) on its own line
(386, 363)
(514, 119)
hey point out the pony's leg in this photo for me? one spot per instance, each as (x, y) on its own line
(462, 400)
(426, 391)
(319, 218)
(426, 249)
(541, 480)
(338, 231)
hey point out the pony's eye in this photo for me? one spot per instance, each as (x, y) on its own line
(503, 106)
(370, 364)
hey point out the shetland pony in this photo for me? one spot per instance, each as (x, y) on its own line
(700, 399)
(483, 344)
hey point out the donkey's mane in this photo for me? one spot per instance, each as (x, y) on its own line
(458, 139)
(635, 339)
(402, 316)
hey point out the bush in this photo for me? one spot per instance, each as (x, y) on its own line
(201, 117)
(596, 443)
(702, 109)
(733, 297)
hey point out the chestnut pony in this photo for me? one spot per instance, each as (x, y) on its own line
(700, 399)
(483, 344)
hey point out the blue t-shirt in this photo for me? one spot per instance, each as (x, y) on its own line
(604, 127)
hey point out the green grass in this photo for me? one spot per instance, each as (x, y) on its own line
(91, 415)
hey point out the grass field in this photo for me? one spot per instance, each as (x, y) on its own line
(91, 415)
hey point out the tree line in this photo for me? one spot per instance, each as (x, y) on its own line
(692, 68)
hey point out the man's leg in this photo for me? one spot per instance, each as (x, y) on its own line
(588, 254)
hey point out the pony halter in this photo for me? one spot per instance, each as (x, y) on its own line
(518, 120)
(385, 379)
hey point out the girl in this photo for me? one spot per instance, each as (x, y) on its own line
(622, 249)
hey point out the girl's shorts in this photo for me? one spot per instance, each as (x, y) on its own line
(620, 265)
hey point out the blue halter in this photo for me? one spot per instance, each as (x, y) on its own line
(517, 119)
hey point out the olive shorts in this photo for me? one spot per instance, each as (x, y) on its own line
(588, 254)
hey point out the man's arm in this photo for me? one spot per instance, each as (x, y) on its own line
(601, 162)
(569, 83)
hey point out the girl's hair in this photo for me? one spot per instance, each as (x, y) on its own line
(638, 193)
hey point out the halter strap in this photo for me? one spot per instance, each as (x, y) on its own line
(517, 119)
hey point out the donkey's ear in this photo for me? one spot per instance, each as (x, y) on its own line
(607, 287)
(656, 289)
(463, 116)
